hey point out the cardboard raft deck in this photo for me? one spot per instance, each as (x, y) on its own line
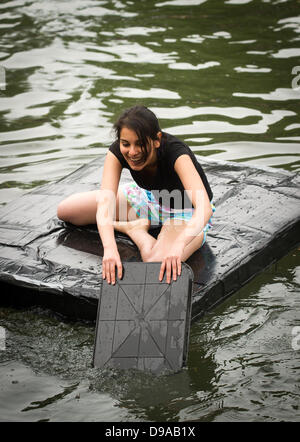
(46, 262)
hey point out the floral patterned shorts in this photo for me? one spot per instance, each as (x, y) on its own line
(147, 206)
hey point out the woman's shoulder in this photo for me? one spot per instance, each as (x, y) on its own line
(115, 149)
(115, 146)
(171, 149)
(173, 146)
(169, 140)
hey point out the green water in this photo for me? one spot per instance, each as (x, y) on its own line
(222, 76)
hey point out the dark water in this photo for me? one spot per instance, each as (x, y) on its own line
(221, 75)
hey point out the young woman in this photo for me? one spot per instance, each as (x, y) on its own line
(169, 189)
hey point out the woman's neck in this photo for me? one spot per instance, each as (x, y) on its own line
(151, 168)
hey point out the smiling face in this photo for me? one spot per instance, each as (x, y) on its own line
(137, 157)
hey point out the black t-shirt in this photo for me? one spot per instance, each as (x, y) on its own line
(166, 177)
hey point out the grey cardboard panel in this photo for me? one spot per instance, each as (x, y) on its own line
(144, 326)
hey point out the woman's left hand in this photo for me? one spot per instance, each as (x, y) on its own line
(172, 263)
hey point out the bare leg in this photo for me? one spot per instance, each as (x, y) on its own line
(168, 235)
(80, 209)
(155, 250)
(136, 228)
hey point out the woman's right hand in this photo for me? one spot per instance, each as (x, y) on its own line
(111, 260)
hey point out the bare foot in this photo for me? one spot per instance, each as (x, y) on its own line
(127, 226)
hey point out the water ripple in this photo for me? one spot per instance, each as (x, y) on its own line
(66, 83)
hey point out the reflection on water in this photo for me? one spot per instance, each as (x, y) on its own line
(215, 75)
(224, 77)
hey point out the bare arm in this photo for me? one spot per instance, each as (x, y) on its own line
(193, 184)
(106, 205)
(197, 193)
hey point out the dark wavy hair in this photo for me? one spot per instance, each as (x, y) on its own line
(142, 121)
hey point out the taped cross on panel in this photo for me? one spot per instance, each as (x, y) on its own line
(143, 323)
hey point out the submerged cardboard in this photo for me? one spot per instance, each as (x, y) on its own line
(143, 323)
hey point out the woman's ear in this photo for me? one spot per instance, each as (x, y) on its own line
(158, 140)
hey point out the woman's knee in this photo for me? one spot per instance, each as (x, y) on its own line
(78, 209)
(64, 210)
